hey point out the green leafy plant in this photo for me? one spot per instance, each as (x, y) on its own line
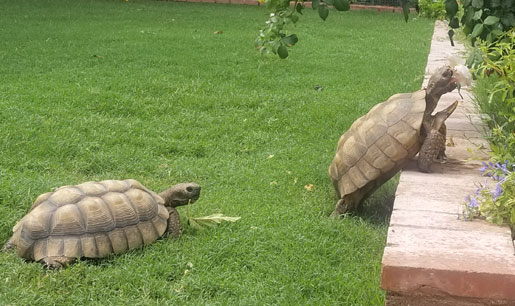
(495, 99)
(497, 205)
(432, 8)
(497, 72)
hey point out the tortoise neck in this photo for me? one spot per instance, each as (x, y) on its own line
(431, 101)
(167, 195)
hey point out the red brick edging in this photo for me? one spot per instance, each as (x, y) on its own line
(378, 8)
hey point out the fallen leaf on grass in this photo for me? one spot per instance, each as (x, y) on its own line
(309, 187)
(218, 32)
(210, 221)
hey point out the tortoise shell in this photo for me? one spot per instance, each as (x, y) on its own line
(93, 220)
(379, 142)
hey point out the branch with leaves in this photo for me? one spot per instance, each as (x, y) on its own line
(273, 38)
(483, 19)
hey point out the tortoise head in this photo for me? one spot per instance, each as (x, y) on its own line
(440, 117)
(181, 194)
(441, 82)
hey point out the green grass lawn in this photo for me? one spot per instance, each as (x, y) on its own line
(94, 90)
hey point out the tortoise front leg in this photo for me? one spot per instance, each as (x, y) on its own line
(174, 223)
(441, 157)
(434, 143)
(58, 262)
(8, 245)
(430, 150)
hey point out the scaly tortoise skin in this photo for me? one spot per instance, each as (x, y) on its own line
(433, 148)
(378, 145)
(95, 219)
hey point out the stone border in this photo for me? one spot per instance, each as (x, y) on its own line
(432, 257)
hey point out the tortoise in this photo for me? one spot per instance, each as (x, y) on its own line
(379, 144)
(96, 219)
(433, 147)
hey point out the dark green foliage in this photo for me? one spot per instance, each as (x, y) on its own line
(483, 19)
(432, 9)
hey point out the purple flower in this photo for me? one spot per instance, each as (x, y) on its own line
(484, 168)
(497, 192)
(472, 202)
(504, 168)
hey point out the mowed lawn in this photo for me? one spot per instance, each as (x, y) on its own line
(94, 90)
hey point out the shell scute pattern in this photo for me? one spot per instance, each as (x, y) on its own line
(67, 220)
(377, 142)
(123, 211)
(96, 213)
(93, 219)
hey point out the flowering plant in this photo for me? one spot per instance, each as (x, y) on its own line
(497, 205)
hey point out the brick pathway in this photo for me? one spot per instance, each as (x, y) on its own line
(431, 257)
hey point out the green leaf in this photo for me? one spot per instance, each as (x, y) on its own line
(323, 11)
(478, 3)
(454, 23)
(290, 40)
(508, 20)
(467, 3)
(478, 29)
(282, 51)
(496, 32)
(468, 16)
(294, 18)
(299, 8)
(495, 3)
(467, 30)
(194, 224)
(491, 20)
(341, 5)
(478, 14)
(451, 7)
(213, 220)
(489, 38)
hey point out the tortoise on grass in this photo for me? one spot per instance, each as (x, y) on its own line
(95, 219)
(380, 143)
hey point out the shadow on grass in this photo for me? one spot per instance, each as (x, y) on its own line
(377, 209)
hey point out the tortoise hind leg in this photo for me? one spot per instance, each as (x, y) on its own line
(58, 262)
